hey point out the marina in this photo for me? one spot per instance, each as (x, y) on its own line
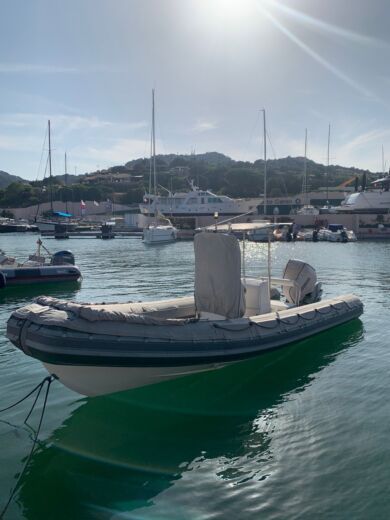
(194, 257)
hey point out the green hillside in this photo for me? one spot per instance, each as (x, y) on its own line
(127, 183)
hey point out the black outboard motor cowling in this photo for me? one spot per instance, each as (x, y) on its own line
(63, 257)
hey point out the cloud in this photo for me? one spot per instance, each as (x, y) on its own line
(19, 144)
(120, 151)
(65, 122)
(17, 68)
(203, 125)
(366, 138)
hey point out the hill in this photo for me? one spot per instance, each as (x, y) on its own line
(6, 179)
(127, 183)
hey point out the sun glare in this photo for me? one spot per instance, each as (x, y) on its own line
(228, 10)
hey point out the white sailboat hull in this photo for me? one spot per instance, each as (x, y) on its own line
(159, 234)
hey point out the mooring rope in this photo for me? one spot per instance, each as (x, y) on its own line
(48, 380)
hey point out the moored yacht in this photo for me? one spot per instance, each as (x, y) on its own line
(375, 199)
(159, 233)
(195, 202)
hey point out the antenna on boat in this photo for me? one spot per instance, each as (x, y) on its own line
(265, 161)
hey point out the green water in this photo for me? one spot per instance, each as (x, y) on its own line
(300, 433)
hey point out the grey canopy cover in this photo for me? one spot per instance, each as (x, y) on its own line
(218, 287)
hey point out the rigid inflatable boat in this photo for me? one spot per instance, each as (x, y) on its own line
(39, 268)
(103, 348)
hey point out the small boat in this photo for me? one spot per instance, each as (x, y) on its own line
(39, 268)
(98, 349)
(8, 225)
(106, 231)
(157, 234)
(336, 233)
(306, 209)
(330, 233)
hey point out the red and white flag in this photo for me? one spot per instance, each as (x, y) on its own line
(82, 206)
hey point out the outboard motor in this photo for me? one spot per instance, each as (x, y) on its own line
(304, 275)
(63, 257)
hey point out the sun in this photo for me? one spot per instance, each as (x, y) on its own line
(225, 10)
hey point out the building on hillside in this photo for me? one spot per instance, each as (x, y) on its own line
(106, 177)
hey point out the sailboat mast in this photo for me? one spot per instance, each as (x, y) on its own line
(327, 168)
(66, 185)
(265, 162)
(50, 174)
(383, 161)
(305, 201)
(154, 146)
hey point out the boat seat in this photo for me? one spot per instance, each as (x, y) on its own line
(256, 296)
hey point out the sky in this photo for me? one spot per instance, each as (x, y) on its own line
(90, 66)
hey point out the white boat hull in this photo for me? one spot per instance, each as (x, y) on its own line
(375, 201)
(93, 381)
(159, 234)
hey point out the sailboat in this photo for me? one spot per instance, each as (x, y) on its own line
(262, 233)
(327, 208)
(307, 208)
(56, 217)
(161, 230)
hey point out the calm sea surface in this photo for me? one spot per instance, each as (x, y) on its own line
(301, 433)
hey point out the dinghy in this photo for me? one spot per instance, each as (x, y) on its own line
(41, 267)
(98, 349)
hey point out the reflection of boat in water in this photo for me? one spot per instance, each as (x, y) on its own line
(229, 319)
(119, 454)
(41, 267)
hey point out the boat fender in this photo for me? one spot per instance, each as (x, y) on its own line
(3, 280)
(297, 201)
